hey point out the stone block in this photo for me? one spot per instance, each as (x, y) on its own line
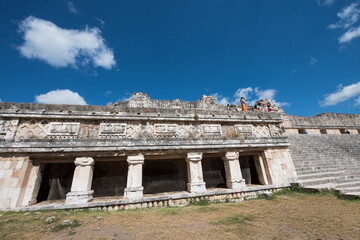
(16, 173)
(19, 164)
(7, 164)
(196, 187)
(134, 193)
(79, 197)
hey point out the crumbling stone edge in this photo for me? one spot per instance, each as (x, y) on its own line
(181, 199)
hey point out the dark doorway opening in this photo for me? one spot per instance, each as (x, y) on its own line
(164, 176)
(214, 172)
(109, 178)
(248, 170)
(56, 181)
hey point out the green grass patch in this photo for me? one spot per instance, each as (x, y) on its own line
(238, 219)
(204, 209)
(171, 211)
(60, 227)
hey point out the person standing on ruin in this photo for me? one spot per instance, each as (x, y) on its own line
(243, 104)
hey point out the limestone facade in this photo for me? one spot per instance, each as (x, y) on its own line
(199, 145)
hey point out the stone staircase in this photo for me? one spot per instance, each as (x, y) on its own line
(327, 161)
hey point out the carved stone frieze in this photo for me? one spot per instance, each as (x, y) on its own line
(211, 130)
(64, 129)
(243, 129)
(112, 129)
(165, 129)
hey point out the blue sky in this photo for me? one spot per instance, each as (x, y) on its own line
(305, 55)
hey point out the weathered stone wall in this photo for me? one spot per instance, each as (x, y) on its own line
(324, 120)
(280, 166)
(14, 175)
(325, 123)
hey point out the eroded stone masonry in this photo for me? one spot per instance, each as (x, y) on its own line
(144, 152)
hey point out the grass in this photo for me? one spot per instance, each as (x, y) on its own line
(238, 219)
(171, 211)
(61, 226)
(292, 214)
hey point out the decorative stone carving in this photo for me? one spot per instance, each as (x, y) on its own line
(139, 100)
(112, 129)
(276, 130)
(166, 129)
(261, 130)
(8, 128)
(64, 129)
(211, 130)
(3, 130)
(196, 182)
(208, 100)
(243, 129)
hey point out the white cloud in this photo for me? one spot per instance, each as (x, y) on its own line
(326, 2)
(357, 101)
(342, 94)
(100, 21)
(72, 8)
(64, 47)
(350, 35)
(108, 92)
(251, 96)
(348, 16)
(242, 92)
(220, 99)
(312, 60)
(60, 97)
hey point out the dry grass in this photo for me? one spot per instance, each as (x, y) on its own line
(291, 216)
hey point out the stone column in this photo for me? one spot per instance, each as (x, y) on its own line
(196, 182)
(234, 179)
(260, 169)
(134, 188)
(81, 185)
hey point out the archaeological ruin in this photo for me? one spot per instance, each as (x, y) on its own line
(147, 153)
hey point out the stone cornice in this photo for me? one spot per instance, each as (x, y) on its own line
(76, 145)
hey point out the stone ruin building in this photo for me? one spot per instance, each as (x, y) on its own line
(144, 152)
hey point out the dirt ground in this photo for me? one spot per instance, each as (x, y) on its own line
(290, 216)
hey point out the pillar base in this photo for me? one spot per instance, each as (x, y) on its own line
(196, 187)
(79, 197)
(134, 193)
(236, 184)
